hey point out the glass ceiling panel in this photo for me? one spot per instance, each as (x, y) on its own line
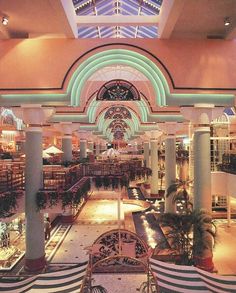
(117, 7)
(117, 32)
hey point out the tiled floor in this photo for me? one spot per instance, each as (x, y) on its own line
(117, 283)
(100, 216)
(81, 235)
(225, 249)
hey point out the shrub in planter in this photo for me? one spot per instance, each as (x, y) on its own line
(114, 182)
(124, 181)
(106, 182)
(67, 199)
(86, 187)
(77, 197)
(8, 203)
(204, 234)
(98, 182)
(41, 200)
(53, 198)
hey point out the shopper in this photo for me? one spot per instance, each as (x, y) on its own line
(47, 228)
(20, 227)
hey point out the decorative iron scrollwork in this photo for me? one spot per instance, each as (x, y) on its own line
(118, 90)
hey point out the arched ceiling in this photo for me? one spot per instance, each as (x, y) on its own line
(144, 74)
(119, 19)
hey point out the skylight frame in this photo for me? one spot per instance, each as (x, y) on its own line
(126, 7)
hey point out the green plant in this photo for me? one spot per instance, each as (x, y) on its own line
(178, 192)
(106, 181)
(179, 234)
(67, 199)
(41, 200)
(98, 182)
(53, 198)
(193, 235)
(77, 197)
(114, 182)
(8, 203)
(124, 181)
(204, 239)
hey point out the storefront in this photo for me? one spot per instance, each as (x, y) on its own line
(11, 242)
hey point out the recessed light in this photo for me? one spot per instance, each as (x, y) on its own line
(5, 20)
(226, 21)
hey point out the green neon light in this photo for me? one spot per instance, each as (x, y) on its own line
(118, 56)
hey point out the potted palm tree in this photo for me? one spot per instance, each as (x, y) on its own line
(178, 232)
(204, 232)
(177, 192)
(192, 235)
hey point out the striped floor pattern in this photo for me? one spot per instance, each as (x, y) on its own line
(186, 279)
(69, 280)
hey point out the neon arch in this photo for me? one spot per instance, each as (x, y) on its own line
(94, 105)
(103, 124)
(118, 56)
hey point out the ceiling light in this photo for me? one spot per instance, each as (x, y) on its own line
(226, 21)
(5, 20)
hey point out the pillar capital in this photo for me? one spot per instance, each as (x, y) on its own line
(201, 114)
(83, 134)
(170, 127)
(34, 116)
(152, 134)
(66, 127)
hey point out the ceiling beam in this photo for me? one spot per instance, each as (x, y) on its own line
(65, 11)
(116, 20)
(169, 14)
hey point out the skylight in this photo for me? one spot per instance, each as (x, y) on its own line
(142, 27)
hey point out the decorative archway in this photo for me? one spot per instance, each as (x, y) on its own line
(118, 56)
(121, 249)
(118, 90)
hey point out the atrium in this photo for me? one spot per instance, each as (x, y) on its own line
(117, 146)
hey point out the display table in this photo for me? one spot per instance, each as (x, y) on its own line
(9, 257)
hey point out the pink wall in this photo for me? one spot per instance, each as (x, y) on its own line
(43, 63)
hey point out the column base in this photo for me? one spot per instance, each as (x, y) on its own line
(35, 265)
(67, 219)
(147, 185)
(154, 195)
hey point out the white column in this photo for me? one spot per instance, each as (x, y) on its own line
(90, 145)
(201, 115)
(202, 168)
(146, 153)
(35, 254)
(83, 148)
(170, 171)
(97, 148)
(66, 128)
(67, 148)
(154, 167)
(33, 116)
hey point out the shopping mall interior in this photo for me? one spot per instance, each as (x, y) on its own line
(117, 146)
